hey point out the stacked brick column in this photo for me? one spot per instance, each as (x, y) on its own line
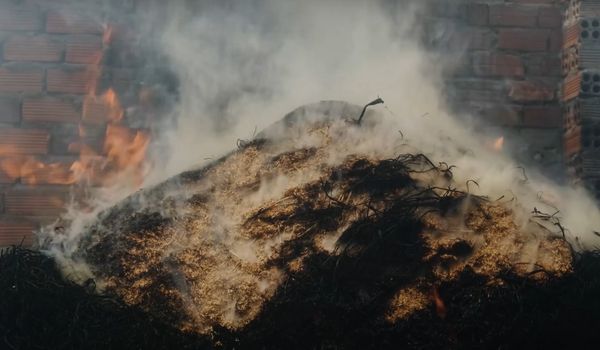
(581, 92)
(50, 54)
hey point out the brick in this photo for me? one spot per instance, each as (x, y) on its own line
(479, 39)
(572, 142)
(33, 48)
(544, 141)
(524, 39)
(9, 110)
(571, 86)
(31, 170)
(23, 141)
(555, 41)
(48, 173)
(571, 35)
(49, 110)
(476, 90)
(550, 17)
(34, 202)
(6, 176)
(84, 49)
(16, 232)
(67, 22)
(71, 81)
(498, 114)
(477, 14)
(513, 16)
(61, 136)
(542, 117)
(19, 18)
(546, 65)
(497, 65)
(10, 168)
(530, 91)
(463, 38)
(21, 80)
(102, 109)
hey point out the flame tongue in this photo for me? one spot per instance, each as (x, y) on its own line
(121, 158)
(124, 153)
(440, 306)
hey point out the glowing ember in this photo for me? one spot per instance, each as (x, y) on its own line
(440, 307)
(499, 144)
(126, 150)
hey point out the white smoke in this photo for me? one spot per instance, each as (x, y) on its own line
(242, 65)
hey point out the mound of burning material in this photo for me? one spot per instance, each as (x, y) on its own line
(376, 230)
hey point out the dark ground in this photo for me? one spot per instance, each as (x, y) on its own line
(41, 310)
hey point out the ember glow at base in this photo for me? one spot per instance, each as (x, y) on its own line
(214, 173)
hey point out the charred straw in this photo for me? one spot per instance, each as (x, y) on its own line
(372, 103)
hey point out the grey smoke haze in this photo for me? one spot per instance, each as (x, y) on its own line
(242, 65)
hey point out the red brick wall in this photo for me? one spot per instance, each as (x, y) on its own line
(509, 74)
(52, 59)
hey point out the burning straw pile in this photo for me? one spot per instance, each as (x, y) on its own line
(310, 237)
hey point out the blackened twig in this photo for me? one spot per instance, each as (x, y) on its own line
(372, 103)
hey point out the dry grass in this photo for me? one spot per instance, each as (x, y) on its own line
(232, 235)
(303, 242)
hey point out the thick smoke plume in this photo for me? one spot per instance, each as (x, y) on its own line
(242, 65)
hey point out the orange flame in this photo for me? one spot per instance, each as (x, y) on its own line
(440, 307)
(115, 112)
(31, 171)
(122, 157)
(103, 108)
(127, 150)
(498, 144)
